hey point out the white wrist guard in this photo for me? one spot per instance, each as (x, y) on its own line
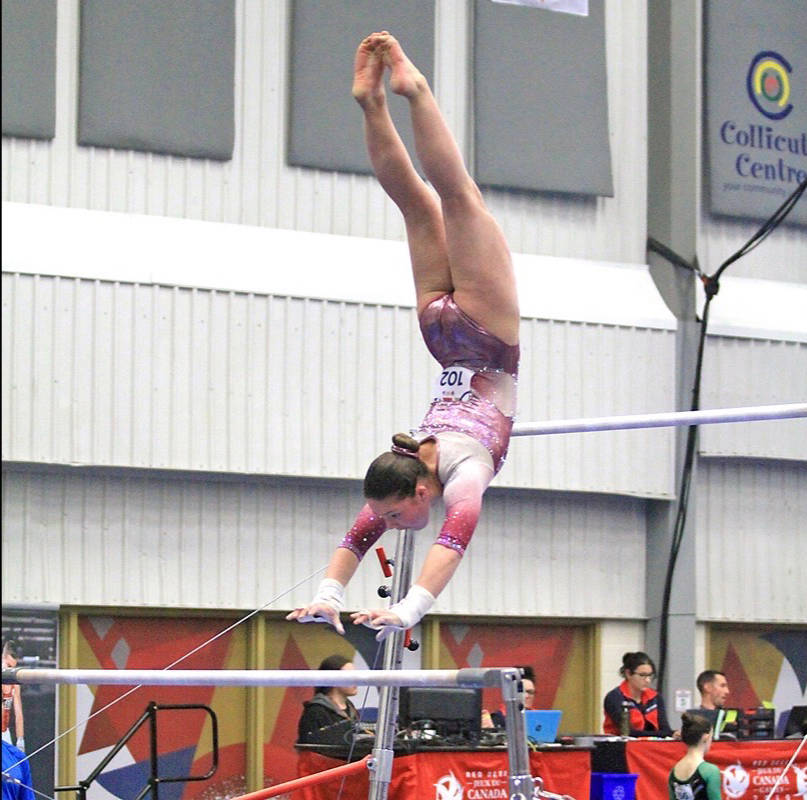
(414, 606)
(330, 592)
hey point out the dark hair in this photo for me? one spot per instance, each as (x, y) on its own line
(693, 726)
(395, 474)
(707, 676)
(331, 662)
(632, 661)
(528, 673)
(11, 648)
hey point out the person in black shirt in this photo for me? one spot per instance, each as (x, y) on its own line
(328, 716)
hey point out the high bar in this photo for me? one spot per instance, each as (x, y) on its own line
(667, 419)
(471, 678)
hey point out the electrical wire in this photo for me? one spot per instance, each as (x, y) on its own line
(711, 284)
(174, 663)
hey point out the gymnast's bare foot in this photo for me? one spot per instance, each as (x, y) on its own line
(368, 71)
(405, 78)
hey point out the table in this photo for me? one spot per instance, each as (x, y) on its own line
(475, 774)
(749, 768)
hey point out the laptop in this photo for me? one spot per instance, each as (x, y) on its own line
(542, 725)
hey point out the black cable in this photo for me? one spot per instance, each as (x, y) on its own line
(767, 228)
(711, 284)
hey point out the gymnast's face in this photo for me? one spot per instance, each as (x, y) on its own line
(404, 512)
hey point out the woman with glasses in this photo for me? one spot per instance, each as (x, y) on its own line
(635, 697)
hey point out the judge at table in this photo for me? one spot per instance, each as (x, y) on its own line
(647, 715)
(329, 715)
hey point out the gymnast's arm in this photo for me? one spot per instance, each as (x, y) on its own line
(330, 597)
(462, 494)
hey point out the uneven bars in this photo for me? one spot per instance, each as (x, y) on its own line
(471, 678)
(667, 419)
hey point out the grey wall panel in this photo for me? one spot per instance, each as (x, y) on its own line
(143, 539)
(139, 375)
(325, 130)
(750, 372)
(29, 68)
(257, 188)
(541, 100)
(752, 541)
(184, 51)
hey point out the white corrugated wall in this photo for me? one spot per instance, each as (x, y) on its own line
(752, 541)
(749, 372)
(116, 374)
(123, 538)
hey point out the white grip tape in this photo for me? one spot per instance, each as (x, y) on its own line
(330, 592)
(414, 606)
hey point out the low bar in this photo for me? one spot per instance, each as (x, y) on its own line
(471, 678)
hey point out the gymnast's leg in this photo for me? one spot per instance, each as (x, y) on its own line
(396, 174)
(479, 259)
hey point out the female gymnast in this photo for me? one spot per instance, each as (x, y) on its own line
(468, 311)
(693, 778)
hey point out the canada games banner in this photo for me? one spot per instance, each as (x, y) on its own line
(748, 770)
(756, 106)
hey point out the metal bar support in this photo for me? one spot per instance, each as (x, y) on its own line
(380, 765)
(521, 783)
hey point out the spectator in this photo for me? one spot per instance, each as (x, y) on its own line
(328, 715)
(12, 699)
(714, 689)
(16, 774)
(644, 705)
(495, 719)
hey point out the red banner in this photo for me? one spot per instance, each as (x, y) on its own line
(748, 770)
(472, 775)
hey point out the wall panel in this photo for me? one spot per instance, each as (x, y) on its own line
(137, 538)
(257, 187)
(163, 377)
(750, 372)
(783, 256)
(751, 546)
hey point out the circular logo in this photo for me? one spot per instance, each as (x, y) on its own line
(768, 84)
(801, 781)
(735, 781)
(449, 788)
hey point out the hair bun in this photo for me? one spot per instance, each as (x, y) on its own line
(405, 441)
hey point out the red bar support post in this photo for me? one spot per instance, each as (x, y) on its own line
(308, 780)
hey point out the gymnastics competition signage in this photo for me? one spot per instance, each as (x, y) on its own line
(756, 106)
(749, 770)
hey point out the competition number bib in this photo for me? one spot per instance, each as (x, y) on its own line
(453, 383)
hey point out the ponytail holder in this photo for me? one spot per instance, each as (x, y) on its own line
(402, 451)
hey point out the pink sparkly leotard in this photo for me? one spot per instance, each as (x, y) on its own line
(472, 430)
(486, 413)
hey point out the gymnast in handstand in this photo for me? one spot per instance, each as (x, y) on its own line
(468, 311)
